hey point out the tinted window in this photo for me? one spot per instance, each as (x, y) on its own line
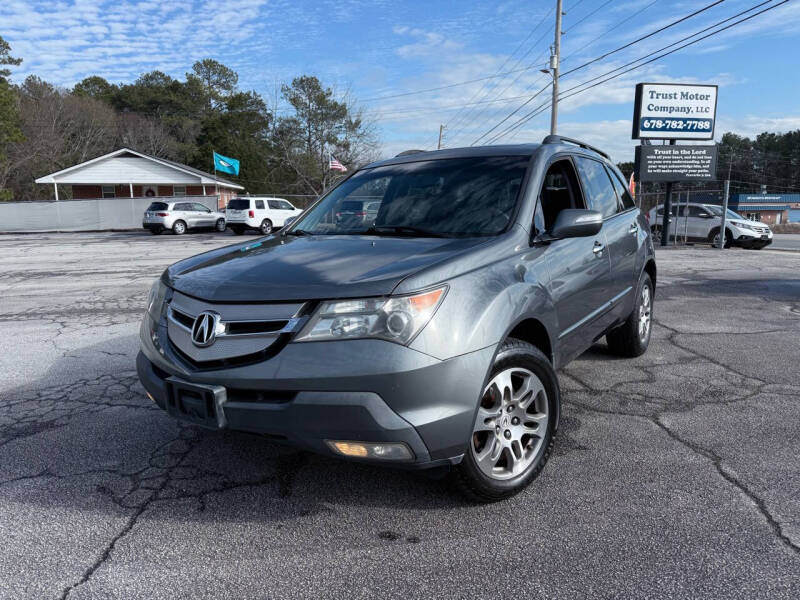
(239, 204)
(201, 207)
(183, 206)
(624, 197)
(260, 204)
(696, 211)
(158, 206)
(597, 186)
(453, 197)
(349, 205)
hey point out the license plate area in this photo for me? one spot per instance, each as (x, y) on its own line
(199, 404)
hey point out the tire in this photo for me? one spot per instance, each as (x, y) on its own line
(237, 230)
(632, 338)
(220, 225)
(713, 238)
(266, 227)
(179, 228)
(487, 474)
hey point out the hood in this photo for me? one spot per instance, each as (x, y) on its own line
(310, 268)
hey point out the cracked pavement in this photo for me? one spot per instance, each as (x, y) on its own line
(675, 474)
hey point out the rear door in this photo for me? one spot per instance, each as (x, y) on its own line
(621, 234)
(184, 212)
(261, 212)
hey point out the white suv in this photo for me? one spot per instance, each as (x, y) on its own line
(257, 212)
(701, 222)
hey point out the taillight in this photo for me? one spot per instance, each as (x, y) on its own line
(251, 214)
(163, 214)
(361, 214)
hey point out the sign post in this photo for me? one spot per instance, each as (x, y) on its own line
(670, 111)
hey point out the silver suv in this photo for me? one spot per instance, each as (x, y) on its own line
(181, 216)
(429, 337)
(702, 222)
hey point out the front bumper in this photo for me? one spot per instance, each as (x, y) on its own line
(748, 239)
(354, 390)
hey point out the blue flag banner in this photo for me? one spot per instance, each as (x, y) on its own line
(225, 164)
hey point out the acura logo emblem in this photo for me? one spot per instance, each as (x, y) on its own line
(204, 330)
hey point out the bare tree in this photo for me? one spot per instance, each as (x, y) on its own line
(145, 135)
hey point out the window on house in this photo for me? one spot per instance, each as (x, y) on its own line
(178, 190)
(109, 191)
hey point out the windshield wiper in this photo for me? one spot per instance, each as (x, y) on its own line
(298, 232)
(402, 229)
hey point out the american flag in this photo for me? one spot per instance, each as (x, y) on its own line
(335, 165)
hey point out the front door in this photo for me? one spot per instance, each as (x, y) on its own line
(580, 268)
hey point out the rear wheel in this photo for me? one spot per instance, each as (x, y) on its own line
(220, 225)
(633, 337)
(514, 428)
(237, 230)
(179, 228)
(266, 227)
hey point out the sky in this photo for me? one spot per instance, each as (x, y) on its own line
(386, 56)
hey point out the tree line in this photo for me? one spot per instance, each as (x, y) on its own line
(45, 128)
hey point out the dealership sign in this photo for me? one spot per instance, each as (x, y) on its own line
(676, 163)
(674, 111)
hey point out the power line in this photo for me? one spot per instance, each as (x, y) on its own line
(629, 44)
(581, 20)
(533, 113)
(644, 37)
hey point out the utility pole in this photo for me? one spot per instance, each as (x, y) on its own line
(441, 131)
(554, 65)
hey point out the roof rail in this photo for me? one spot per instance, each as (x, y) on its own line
(407, 152)
(558, 139)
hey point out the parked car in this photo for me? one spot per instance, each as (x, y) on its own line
(702, 222)
(254, 212)
(355, 213)
(180, 217)
(427, 339)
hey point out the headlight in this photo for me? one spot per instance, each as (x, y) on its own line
(743, 225)
(396, 319)
(155, 299)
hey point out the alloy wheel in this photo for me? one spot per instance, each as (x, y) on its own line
(511, 424)
(645, 311)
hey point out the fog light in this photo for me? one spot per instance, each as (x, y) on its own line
(377, 450)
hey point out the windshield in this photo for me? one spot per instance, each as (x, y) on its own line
(453, 197)
(158, 206)
(239, 204)
(717, 212)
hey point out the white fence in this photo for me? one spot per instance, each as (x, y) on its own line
(84, 215)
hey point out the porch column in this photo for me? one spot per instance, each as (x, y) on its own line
(204, 189)
(55, 189)
(131, 188)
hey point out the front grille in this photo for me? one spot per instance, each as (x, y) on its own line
(245, 333)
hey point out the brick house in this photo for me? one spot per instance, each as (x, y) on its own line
(126, 173)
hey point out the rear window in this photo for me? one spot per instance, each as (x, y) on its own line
(351, 205)
(158, 206)
(239, 204)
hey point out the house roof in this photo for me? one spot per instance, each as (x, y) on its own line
(129, 166)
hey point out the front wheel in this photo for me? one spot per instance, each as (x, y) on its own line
(220, 225)
(633, 337)
(715, 238)
(515, 423)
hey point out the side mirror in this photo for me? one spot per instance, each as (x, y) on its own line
(576, 222)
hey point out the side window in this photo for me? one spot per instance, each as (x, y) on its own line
(201, 207)
(260, 204)
(597, 185)
(285, 205)
(560, 190)
(698, 211)
(274, 204)
(624, 197)
(182, 206)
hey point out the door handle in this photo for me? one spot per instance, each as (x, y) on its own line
(598, 249)
(633, 229)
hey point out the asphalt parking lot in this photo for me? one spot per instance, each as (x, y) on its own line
(676, 474)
